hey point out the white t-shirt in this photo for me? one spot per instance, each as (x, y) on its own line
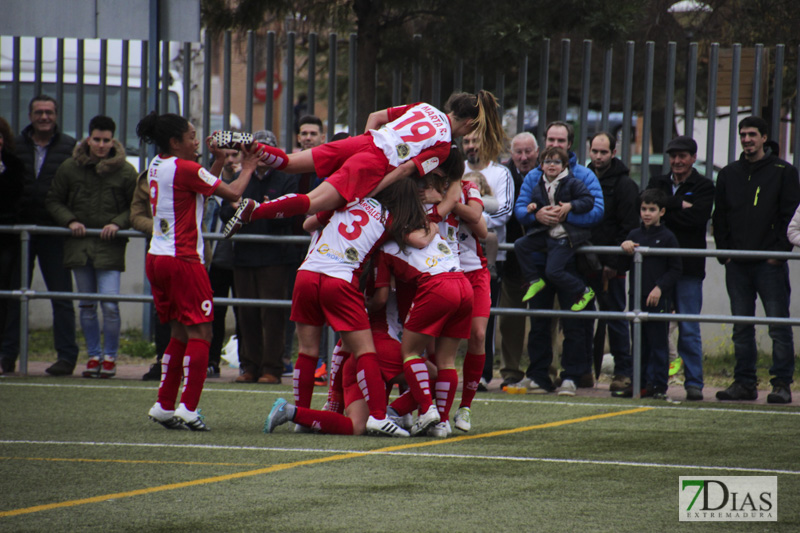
(502, 184)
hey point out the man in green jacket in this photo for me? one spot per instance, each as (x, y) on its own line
(93, 190)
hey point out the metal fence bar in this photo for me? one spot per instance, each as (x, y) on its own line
(563, 94)
(522, 92)
(186, 107)
(711, 132)
(250, 80)
(122, 128)
(627, 105)
(544, 81)
(757, 73)
(397, 86)
(332, 51)
(206, 92)
(288, 95)
(796, 121)
(733, 132)
(164, 85)
(37, 67)
(15, 84)
(226, 81)
(777, 93)
(352, 88)
(669, 101)
(79, 91)
(103, 77)
(458, 75)
(648, 110)
(269, 104)
(436, 84)
(691, 90)
(311, 93)
(586, 77)
(416, 70)
(605, 106)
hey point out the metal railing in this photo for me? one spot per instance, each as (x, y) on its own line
(636, 316)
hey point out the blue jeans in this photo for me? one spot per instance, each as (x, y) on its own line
(50, 251)
(90, 279)
(745, 281)
(558, 253)
(689, 301)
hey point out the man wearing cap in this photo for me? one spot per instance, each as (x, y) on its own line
(691, 197)
(262, 271)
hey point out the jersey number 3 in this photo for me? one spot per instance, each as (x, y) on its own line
(362, 219)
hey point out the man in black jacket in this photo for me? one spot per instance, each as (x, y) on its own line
(690, 199)
(755, 200)
(42, 149)
(621, 215)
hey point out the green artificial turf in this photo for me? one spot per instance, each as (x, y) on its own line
(530, 464)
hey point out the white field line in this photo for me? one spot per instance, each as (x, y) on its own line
(411, 454)
(723, 408)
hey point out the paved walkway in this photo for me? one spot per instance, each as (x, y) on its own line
(228, 374)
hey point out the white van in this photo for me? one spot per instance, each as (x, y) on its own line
(89, 83)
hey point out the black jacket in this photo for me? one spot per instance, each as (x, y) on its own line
(657, 270)
(754, 204)
(621, 215)
(569, 189)
(32, 208)
(257, 254)
(688, 225)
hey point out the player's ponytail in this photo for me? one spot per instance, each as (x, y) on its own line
(489, 128)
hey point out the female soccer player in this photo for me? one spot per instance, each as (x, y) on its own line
(326, 289)
(174, 264)
(398, 142)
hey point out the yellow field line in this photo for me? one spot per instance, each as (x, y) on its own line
(287, 466)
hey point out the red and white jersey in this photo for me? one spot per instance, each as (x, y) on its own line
(470, 251)
(413, 263)
(419, 132)
(448, 226)
(177, 191)
(345, 243)
(386, 319)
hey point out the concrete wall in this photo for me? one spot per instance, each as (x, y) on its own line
(716, 337)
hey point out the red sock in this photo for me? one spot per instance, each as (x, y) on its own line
(195, 369)
(171, 374)
(324, 421)
(404, 404)
(416, 374)
(336, 389)
(283, 207)
(472, 372)
(446, 385)
(303, 379)
(370, 381)
(273, 156)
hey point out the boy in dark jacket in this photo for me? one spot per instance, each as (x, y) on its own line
(659, 275)
(559, 187)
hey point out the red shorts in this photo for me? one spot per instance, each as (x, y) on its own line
(318, 299)
(390, 360)
(442, 307)
(354, 166)
(181, 290)
(482, 300)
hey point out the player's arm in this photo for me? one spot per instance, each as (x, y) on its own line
(377, 119)
(233, 191)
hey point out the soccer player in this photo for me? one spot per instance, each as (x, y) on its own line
(174, 264)
(399, 141)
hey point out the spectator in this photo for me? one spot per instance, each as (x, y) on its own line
(575, 357)
(12, 176)
(500, 182)
(620, 216)
(756, 197)
(557, 243)
(93, 190)
(690, 197)
(659, 275)
(263, 270)
(42, 148)
(524, 158)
